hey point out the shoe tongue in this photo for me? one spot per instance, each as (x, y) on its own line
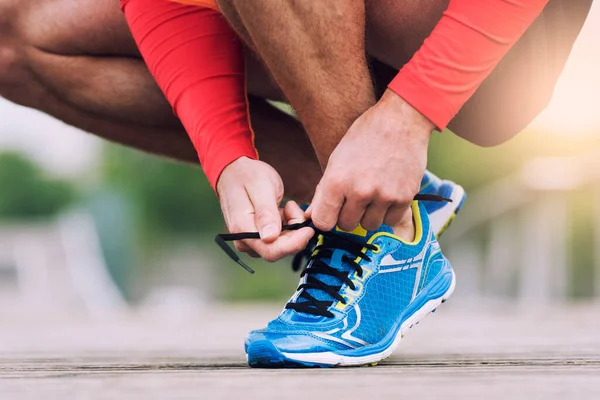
(362, 234)
(335, 261)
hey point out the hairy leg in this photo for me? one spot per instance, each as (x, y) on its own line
(317, 54)
(43, 66)
(282, 142)
(82, 52)
(396, 29)
(82, 67)
(298, 41)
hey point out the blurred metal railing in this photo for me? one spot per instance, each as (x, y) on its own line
(59, 265)
(512, 240)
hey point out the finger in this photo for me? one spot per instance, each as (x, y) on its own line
(326, 207)
(245, 223)
(244, 248)
(293, 214)
(397, 216)
(253, 247)
(374, 215)
(352, 212)
(289, 243)
(240, 218)
(266, 210)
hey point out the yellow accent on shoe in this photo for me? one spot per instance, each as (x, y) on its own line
(358, 231)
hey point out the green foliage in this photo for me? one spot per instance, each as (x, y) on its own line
(451, 157)
(168, 197)
(272, 281)
(171, 199)
(26, 193)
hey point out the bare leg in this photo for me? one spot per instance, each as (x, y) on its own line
(520, 86)
(98, 94)
(68, 69)
(317, 54)
(54, 54)
(396, 29)
(282, 143)
(315, 51)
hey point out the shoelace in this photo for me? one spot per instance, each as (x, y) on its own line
(314, 255)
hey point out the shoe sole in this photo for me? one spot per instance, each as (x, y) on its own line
(443, 218)
(263, 354)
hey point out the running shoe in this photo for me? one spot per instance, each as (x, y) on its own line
(359, 293)
(442, 214)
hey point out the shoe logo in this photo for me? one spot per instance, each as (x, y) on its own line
(389, 261)
(346, 334)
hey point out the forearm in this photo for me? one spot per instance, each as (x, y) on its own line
(198, 63)
(316, 53)
(463, 49)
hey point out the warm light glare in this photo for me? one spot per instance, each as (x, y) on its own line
(575, 107)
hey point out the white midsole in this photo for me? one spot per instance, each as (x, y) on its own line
(440, 218)
(330, 358)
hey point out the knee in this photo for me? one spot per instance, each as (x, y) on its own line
(490, 136)
(14, 80)
(487, 130)
(10, 59)
(9, 63)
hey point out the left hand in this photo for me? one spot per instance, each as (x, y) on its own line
(376, 170)
(250, 192)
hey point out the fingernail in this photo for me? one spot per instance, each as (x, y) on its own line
(268, 231)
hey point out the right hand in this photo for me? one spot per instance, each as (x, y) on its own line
(250, 192)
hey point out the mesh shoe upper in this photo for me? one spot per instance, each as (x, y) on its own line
(371, 311)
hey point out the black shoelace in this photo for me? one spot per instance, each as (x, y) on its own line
(314, 255)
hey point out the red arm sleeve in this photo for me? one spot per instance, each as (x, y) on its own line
(463, 49)
(197, 61)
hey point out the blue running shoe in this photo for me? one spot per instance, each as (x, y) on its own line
(441, 214)
(360, 292)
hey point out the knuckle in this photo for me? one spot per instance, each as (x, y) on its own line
(264, 215)
(330, 204)
(234, 228)
(335, 181)
(322, 223)
(347, 225)
(362, 193)
(405, 201)
(371, 224)
(269, 255)
(386, 196)
(400, 199)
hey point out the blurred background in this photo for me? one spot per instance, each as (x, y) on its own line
(91, 226)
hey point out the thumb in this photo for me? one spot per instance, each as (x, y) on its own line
(266, 213)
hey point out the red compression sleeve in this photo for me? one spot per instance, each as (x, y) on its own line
(198, 62)
(463, 49)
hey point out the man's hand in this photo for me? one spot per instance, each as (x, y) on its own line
(376, 170)
(250, 192)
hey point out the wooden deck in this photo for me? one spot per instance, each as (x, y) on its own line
(489, 353)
